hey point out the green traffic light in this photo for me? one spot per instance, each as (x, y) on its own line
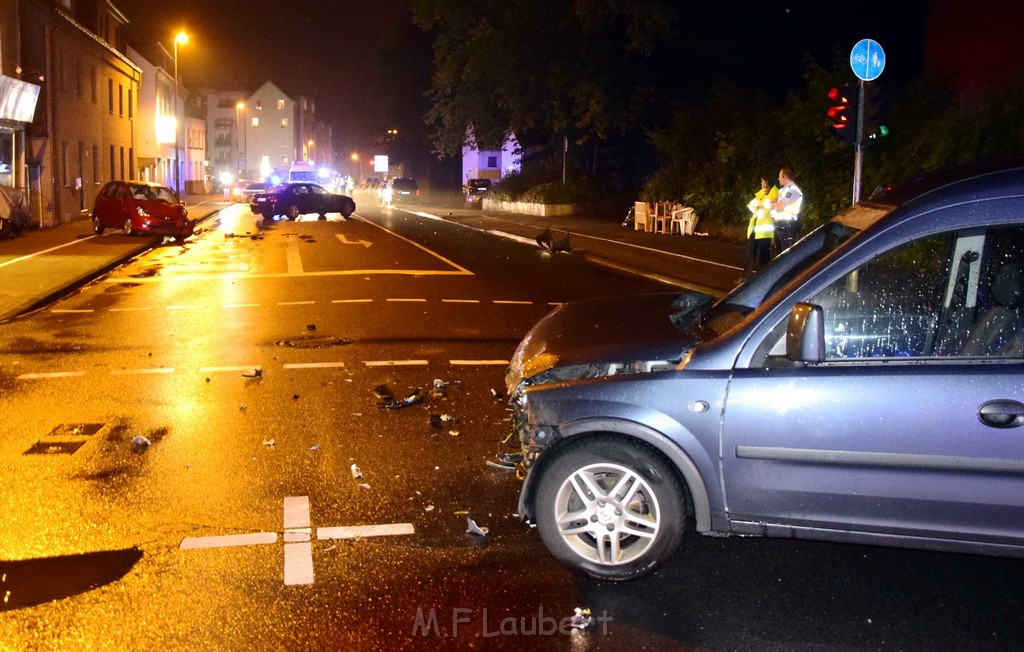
(880, 132)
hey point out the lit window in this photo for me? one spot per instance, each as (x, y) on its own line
(280, 105)
(255, 122)
(284, 122)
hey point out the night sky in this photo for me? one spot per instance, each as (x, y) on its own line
(363, 63)
(366, 66)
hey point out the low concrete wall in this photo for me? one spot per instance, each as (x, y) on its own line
(554, 210)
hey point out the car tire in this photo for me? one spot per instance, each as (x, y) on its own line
(615, 537)
(292, 212)
(97, 226)
(129, 228)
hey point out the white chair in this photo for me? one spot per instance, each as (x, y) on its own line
(684, 219)
(642, 216)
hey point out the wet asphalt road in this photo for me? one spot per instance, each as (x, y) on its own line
(249, 366)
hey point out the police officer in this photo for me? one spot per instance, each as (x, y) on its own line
(760, 228)
(786, 211)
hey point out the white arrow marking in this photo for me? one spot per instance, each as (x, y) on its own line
(344, 240)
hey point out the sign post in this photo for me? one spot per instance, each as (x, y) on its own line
(867, 60)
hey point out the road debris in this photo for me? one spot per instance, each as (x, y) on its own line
(140, 444)
(310, 327)
(364, 485)
(269, 442)
(581, 619)
(428, 508)
(255, 372)
(546, 241)
(438, 420)
(383, 392)
(498, 395)
(416, 397)
(356, 473)
(473, 528)
(503, 467)
(314, 447)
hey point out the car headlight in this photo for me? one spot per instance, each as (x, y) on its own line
(539, 364)
(141, 211)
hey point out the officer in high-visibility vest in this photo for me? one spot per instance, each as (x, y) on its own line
(786, 211)
(760, 228)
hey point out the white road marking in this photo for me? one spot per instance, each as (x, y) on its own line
(460, 300)
(363, 531)
(296, 303)
(298, 547)
(213, 369)
(394, 363)
(45, 251)
(70, 310)
(351, 300)
(313, 365)
(514, 303)
(461, 269)
(52, 374)
(478, 362)
(344, 240)
(407, 300)
(228, 541)
(294, 259)
(126, 372)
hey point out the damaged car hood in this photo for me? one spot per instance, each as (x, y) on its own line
(608, 330)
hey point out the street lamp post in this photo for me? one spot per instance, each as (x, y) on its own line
(239, 108)
(180, 37)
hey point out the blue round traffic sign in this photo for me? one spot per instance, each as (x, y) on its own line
(867, 59)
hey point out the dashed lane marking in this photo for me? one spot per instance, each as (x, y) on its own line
(396, 363)
(127, 372)
(313, 365)
(296, 303)
(478, 362)
(52, 374)
(514, 303)
(294, 259)
(460, 300)
(69, 310)
(298, 549)
(204, 370)
(407, 300)
(351, 300)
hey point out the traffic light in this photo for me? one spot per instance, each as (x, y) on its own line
(843, 112)
(873, 128)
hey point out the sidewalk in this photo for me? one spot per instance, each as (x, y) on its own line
(42, 264)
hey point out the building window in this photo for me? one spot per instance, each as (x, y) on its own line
(81, 163)
(492, 161)
(94, 84)
(122, 162)
(284, 122)
(95, 164)
(78, 78)
(131, 162)
(120, 100)
(110, 95)
(112, 177)
(280, 105)
(131, 111)
(259, 105)
(284, 160)
(255, 122)
(64, 164)
(60, 71)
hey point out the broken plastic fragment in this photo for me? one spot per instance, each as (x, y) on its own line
(581, 618)
(314, 447)
(382, 391)
(256, 372)
(498, 396)
(364, 485)
(503, 467)
(356, 473)
(429, 508)
(473, 528)
(453, 433)
(269, 442)
(412, 399)
(140, 443)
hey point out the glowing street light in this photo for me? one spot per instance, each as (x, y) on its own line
(182, 38)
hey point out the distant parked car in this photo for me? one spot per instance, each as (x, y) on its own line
(141, 207)
(400, 190)
(475, 190)
(250, 190)
(294, 199)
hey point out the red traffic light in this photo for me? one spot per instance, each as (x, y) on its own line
(841, 112)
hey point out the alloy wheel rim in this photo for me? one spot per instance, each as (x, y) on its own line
(607, 514)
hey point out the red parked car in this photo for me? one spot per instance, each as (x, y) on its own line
(141, 207)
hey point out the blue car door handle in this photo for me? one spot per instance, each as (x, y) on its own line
(1002, 414)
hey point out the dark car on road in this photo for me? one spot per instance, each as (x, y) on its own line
(867, 386)
(141, 207)
(400, 190)
(475, 190)
(294, 199)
